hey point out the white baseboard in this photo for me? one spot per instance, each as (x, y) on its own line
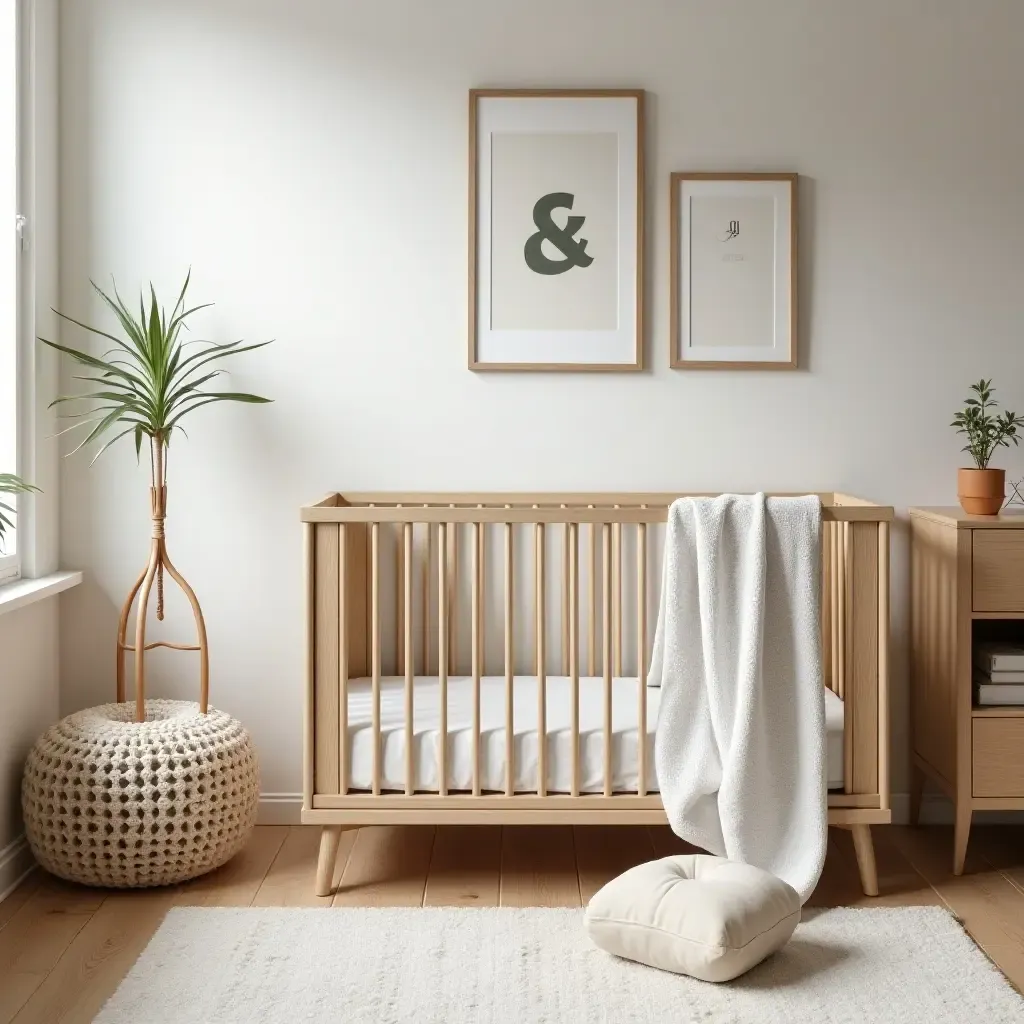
(285, 809)
(279, 809)
(16, 862)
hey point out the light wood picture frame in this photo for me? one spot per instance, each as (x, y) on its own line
(733, 270)
(556, 229)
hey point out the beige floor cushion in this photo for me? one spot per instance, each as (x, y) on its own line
(703, 916)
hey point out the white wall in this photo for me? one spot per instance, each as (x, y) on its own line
(308, 159)
(28, 705)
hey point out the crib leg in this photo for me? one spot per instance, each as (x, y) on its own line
(330, 838)
(865, 850)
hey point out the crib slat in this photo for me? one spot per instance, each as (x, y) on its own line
(343, 659)
(475, 640)
(509, 667)
(565, 599)
(826, 608)
(410, 786)
(571, 542)
(844, 600)
(425, 645)
(592, 603)
(375, 647)
(833, 547)
(453, 591)
(542, 690)
(442, 660)
(481, 548)
(641, 655)
(607, 652)
(399, 605)
(617, 596)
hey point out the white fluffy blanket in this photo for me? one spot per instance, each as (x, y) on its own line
(740, 746)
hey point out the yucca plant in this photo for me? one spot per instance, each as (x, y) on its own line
(13, 485)
(148, 384)
(144, 387)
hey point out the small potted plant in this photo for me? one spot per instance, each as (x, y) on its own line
(981, 489)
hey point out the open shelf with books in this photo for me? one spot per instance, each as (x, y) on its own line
(997, 657)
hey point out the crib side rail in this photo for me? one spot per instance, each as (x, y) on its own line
(473, 586)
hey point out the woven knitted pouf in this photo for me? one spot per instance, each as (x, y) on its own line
(108, 801)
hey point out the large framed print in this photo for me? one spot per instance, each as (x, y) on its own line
(733, 271)
(555, 229)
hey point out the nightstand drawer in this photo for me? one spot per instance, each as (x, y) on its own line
(998, 570)
(999, 756)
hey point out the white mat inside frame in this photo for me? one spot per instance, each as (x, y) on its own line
(465, 966)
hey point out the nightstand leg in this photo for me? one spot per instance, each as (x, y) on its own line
(916, 793)
(961, 832)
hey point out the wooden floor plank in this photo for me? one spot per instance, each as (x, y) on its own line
(988, 904)
(838, 885)
(290, 880)
(538, 867)
(1010, 960)
(236, 883)
(98, 958)
(17, 899)
(605, 851)
(465, 868)
(387, 867)
(899, 882)
(1003, 848)
(109, 943)
(38, 933)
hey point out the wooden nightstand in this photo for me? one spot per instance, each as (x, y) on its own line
(967, 586)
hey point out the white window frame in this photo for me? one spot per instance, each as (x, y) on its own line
(10, 288)
(36, 272)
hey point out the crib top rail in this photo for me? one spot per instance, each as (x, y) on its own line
(569, 507)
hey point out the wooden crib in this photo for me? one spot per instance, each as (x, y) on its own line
(518, 628)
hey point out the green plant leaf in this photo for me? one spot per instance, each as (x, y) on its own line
(10, 483)
(107, 444)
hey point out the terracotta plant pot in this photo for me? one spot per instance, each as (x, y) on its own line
(981, 491)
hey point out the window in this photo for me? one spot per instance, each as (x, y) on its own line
(9, 260)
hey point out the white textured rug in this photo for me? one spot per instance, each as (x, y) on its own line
(455, 966)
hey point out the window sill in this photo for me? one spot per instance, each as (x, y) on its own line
(25, 592)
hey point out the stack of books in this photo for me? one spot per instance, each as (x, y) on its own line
(999, 674)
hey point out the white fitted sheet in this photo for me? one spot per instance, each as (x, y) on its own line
(426, 722)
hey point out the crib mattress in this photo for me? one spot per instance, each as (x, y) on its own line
(426, 732)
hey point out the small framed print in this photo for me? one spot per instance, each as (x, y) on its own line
(733, 270)
(555, 229)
